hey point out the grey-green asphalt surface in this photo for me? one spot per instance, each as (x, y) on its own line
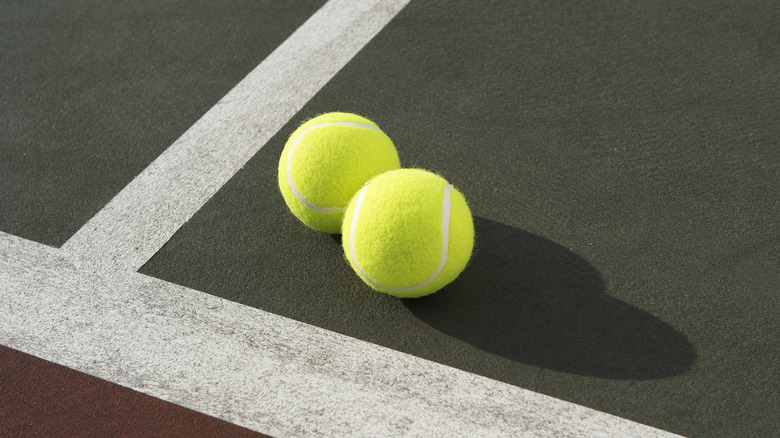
(620, 160)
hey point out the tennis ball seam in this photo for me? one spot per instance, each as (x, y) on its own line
(298, 195)
(445, 233)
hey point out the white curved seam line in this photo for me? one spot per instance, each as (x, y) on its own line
(445, 237)
(295, 191)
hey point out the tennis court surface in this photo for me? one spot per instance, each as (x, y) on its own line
(620, 160)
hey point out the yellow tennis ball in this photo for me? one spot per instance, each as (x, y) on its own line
(408, 233)
(326, 160)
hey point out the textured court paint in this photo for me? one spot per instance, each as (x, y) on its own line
(146, 213)
(642, 132)
(257, 369)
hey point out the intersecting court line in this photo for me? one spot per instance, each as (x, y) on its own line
(256, 369)
(85, 307)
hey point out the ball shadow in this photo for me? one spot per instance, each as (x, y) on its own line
(528, 299)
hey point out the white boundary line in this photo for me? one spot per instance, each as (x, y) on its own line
(85, 307)
(149, 210)
(255, 369)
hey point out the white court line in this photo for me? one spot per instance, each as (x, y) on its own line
(85, 307)
(259, 370)
(149, 210)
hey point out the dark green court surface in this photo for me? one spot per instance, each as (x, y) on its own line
(621, 161)
(93, 91)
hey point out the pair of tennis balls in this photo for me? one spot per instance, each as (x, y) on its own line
(405, 232)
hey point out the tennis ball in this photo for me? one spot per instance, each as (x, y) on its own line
(326, 160)
(408, 233)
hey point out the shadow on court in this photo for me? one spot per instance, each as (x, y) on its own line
(528, 299)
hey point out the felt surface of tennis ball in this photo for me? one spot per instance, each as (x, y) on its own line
(408, 233)
(326, 161)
